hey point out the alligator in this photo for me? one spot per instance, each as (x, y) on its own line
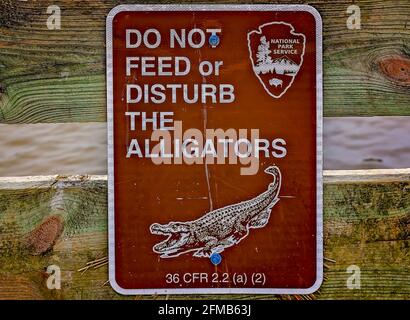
(218, 229)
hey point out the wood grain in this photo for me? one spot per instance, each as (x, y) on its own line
(367, 223)
(59, 75)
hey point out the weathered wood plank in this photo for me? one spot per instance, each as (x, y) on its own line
(367, 223)
(385, 175)
(58, 75)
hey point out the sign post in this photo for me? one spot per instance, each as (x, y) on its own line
(215, 149)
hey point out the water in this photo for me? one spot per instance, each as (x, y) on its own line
(41, 149)
(366, 143)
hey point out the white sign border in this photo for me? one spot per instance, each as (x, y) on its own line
(319, 146)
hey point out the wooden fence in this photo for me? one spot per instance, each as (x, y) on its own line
(58, 76)
(56, 220)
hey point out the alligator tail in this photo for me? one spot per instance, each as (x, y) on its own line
(275, 172)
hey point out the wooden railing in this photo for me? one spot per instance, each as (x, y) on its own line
(55, 220)
(58, 76)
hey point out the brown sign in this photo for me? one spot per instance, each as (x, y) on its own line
(214, 145)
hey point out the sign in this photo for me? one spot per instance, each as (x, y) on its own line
(214, 147)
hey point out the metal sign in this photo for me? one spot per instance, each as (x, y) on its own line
(214, 147)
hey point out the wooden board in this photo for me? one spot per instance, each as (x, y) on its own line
(62, 221)
(59, 75)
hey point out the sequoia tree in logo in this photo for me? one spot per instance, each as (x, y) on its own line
(276, 52)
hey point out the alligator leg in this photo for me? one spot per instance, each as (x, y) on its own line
(240, 232)
(262, 218)
(206, 251)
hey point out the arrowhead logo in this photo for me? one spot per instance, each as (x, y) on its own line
(276, 52)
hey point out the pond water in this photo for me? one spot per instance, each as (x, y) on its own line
(40, 149)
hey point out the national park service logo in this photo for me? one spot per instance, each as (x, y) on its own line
(276, 52)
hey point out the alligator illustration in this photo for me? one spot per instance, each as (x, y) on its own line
(220, 228)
